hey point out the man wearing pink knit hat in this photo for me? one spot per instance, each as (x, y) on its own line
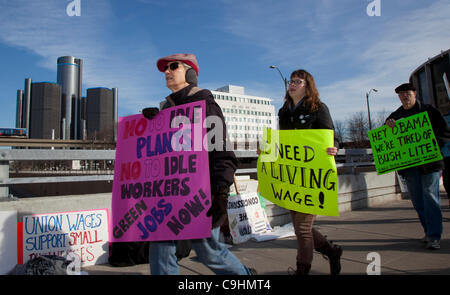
(180, 72)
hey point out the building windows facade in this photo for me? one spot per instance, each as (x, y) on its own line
(431, 82)
(246, 116)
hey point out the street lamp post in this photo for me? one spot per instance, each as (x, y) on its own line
(282, 77)
(368, 109)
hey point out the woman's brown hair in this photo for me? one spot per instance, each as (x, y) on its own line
(312, 100)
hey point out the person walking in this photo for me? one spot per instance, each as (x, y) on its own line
(303, 109)
(423, 181)
(180, 72)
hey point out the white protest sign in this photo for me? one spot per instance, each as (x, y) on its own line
(8, 241)
(246, 217)
(244, 186)
(83, 233)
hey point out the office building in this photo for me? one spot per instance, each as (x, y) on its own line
(100, 114)
(246, 116)
(19, 107)
(26, 101)
(45, 111)
(431, 80)
(69, 78)
(58, 110)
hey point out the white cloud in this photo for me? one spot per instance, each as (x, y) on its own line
(44, 28)
(406, 43)
(348, 52)
(292, 32)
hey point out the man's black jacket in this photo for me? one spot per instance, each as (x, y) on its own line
(222, 164)
(440, 129)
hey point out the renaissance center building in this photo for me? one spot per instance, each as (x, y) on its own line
(59, 111)
(246, 116)
(69, 78)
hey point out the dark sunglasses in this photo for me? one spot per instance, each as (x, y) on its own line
(172, 66)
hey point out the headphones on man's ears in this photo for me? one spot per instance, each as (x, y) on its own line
(191, 76)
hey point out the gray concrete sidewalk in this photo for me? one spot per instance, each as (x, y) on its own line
(392, 230)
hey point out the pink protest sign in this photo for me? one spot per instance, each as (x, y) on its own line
(161, 188)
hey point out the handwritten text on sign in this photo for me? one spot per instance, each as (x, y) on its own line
(411, 142)
(84, 233)
(295, 172)
(246, 217)
(161, 185)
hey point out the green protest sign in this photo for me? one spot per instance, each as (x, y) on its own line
(295, 171)
(411, 142)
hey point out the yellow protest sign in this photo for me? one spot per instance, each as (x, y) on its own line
(295, 171)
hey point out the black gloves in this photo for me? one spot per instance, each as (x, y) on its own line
(150, 113)
(219, 206)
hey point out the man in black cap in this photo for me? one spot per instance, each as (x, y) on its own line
(423, 181)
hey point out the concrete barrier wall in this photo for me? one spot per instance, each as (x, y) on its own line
(39, 205)
(355, 191)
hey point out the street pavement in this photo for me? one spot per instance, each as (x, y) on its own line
(389, 233)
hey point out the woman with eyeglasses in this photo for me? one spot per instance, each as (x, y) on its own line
(303, 109)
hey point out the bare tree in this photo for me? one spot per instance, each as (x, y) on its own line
(357, 126)
(353, 131)
(339, 130)
(380, 118)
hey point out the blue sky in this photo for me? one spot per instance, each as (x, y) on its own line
(235, 41)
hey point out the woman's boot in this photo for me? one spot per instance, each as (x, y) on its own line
(333, 253)
(302, 269)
